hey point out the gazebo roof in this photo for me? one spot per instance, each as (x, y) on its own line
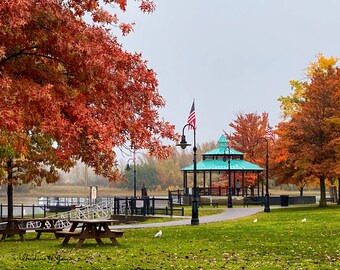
(220, 165)
(212, 160)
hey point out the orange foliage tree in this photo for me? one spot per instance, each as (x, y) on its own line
(311, 136)
(248, 128)
(288, 167)
(69, 91)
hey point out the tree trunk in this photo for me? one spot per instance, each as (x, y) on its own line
(323, 202)
(10, 189)
(339, 190)
(301, 191)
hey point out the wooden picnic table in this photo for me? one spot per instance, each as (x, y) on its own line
(40, 225)
(12, 228)
(90, 229)
(20, 226)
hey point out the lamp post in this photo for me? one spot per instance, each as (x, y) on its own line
(266, 202)
(230, 199)
(183, 144)
(134, 171)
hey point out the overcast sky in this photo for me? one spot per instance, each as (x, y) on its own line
(232, 56)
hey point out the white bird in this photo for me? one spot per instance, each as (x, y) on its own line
(255, 220)
(304, 220)
(159, 234)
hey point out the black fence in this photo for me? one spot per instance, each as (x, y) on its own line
(146, 206)
(178, 195)
(119, 205)
(21, 210)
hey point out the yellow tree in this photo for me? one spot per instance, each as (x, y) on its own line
(292, 104)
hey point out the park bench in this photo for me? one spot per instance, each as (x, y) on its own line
(252, 201)
(48, 230)
(76, 234)
(7, 232)
(117, 232)
(65, 233)
(213, 204)
(330, 199)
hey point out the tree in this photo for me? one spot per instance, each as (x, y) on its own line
(288, 167)
(292, 104)
(312, 135)
(68, 91)
(248, 129)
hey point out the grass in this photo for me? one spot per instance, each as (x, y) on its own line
(279, 240)
(208, 210)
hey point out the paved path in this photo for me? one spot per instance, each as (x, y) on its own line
(229, 213)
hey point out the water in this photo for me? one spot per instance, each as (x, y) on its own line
(23, 206)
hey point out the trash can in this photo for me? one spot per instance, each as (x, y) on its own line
(284, 200)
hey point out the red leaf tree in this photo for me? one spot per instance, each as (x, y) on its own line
(248, 128)
(69, 91)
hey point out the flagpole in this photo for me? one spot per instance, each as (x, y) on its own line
(183, 144)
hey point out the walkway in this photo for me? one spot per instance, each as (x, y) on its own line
(228, 214)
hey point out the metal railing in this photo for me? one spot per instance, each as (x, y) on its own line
(105, 208)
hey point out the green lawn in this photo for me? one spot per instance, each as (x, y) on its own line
(279, 240)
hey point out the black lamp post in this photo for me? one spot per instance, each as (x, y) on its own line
(266, 202)
(134, 172)
(230, 198)
(183, 144)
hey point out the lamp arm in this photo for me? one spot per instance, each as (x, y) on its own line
(188, 124)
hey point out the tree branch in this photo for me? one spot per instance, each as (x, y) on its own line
(23, 52)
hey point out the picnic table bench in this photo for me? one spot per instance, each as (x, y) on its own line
(11, 229)
(90, 229)
(21, 225)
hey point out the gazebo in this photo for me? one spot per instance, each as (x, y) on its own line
(222, 159)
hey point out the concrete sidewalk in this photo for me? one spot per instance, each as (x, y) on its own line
(228, 214)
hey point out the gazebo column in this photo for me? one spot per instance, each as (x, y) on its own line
(258, 185)
(210, 183)
(242, 184)
(234, 186)
(204, 187)
(185, 182)
(262, 191)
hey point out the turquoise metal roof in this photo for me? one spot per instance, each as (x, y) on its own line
(222, 149)
(212, 160)
(220, 165)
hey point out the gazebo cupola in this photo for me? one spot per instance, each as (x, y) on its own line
(223, 151)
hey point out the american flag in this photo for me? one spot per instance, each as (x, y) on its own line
(269, 133)
(192, 117)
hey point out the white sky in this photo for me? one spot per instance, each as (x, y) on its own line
(231, 55)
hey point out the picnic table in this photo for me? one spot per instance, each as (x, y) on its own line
(12, 228)
(90, 229)
(21, 225)
(40, 225)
